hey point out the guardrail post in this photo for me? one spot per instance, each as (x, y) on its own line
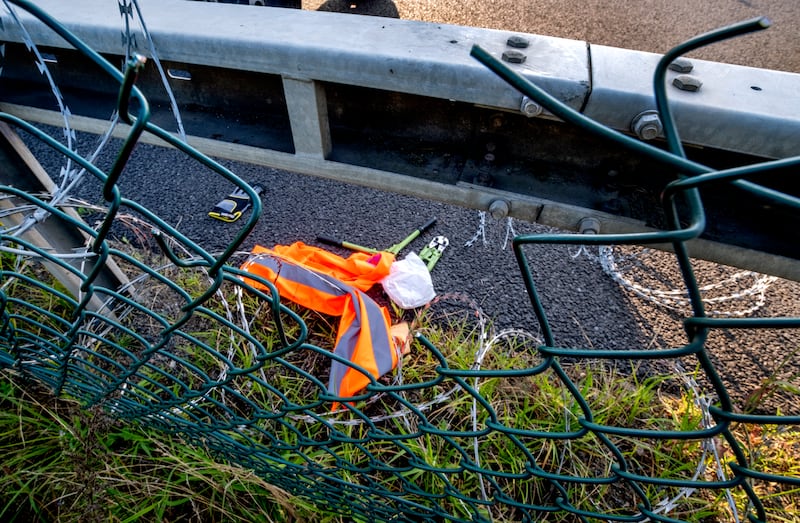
(308, 114)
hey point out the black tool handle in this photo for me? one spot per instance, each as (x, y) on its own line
(330, 241)
(427, 224)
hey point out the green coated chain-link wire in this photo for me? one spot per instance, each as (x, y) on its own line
(698, 325)
(171, 350)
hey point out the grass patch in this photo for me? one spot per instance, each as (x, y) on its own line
(62, 462)
(472, 422)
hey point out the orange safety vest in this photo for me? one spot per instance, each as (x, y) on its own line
(330, 284)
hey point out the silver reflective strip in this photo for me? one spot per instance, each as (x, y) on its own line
(295, 273)
(381, 344)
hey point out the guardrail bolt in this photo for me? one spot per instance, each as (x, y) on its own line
(513, 56)
(499, 209)
(589, 225)
(484, 176)
(484, 179)
(681, 65)
(517, 42)
(530, 108)
(647, 125)
(686, 82)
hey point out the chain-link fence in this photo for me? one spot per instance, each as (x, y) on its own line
(479, 427)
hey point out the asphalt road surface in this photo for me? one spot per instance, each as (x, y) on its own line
(646, 25)
(586, 307)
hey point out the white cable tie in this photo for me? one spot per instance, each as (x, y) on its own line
(510, 232)
(480, 234)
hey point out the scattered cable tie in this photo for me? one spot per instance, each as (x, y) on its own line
(480, 234)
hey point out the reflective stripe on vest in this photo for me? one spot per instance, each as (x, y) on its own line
(363, 335)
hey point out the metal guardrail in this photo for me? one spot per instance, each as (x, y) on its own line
(432, 60)
(148, 365)
(399, 105)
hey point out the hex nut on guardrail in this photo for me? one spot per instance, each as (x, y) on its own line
(686, 82)
(681, 65)
(530, 108)
(513, 56)
(499, 209)
(647, 125)
(589, 225)
(517, 42)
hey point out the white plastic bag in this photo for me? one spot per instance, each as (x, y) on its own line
(409, 283)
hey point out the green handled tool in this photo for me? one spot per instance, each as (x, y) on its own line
(394, 249)
(347, 245)
(433, 251)
(397, 247)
